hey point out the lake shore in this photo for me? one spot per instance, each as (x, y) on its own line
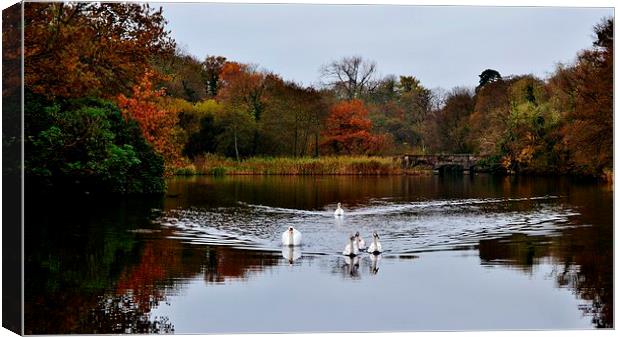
(213, 165)
(341, 165)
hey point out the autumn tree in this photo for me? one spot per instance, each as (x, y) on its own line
(292, 120)
(243, 86)
(414, 98)
(588, 133)
(183, 76)
(76, 49)
(348, 130)
(447, 129)
(242, 93)
(12, 28)
(489, 119)
(529, 139)
(203, 124)
(399, 107)
(386, 90)
(158, 125)
(238, 129)
(351, 77)
(212, 68)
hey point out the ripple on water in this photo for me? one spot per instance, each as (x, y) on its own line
(404, 227)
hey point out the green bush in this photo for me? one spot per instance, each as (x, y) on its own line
(86, 145)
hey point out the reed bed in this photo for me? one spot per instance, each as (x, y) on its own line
(341, 165)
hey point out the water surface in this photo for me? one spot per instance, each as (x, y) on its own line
(461, 253)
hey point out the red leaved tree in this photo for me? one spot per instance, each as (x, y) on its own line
(79, 49)
(158, 125)
(242, 87)
(348, 130)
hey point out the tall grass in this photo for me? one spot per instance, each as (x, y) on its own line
(341, 165)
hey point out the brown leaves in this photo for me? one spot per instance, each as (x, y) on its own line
(90, 49)
(588, 133)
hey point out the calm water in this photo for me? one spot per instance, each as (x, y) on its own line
(461, 253)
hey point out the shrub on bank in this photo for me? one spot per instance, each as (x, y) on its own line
(86, 145)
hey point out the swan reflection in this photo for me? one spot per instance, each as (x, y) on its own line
(351, 267)
(374, 263)
(291, 253)
(339, 221)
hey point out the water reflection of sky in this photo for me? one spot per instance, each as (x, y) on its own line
(437, 291)
(479, 253)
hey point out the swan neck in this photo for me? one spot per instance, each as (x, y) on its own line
(290, 238)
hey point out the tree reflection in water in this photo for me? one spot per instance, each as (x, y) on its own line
(582, 255)
(104, 268)
(581, 270)
(121, 314)
(96, 266)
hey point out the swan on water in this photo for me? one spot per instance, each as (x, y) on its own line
(361, 244)
(291, 237)
(339, 211)
(375, 246)
(351, 249)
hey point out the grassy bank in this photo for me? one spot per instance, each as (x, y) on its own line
(343, 165)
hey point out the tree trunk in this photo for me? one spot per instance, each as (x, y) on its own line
(236, 147)
(316, 144)
(304, 145)
(295, 142)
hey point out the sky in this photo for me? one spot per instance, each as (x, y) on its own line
(443, 46)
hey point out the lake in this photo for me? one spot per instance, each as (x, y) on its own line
(460, 253)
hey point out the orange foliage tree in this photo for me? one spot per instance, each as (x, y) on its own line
(588, 134)
(77, 49)
(242, 92)
(158, 125)
(243, 88)
(348, 130)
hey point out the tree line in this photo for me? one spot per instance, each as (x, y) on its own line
(112, 102)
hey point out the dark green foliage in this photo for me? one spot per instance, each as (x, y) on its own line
(205, 140)
(530, 95)
(86, 145)
(488, 76)
(212, 66)
(605, 34)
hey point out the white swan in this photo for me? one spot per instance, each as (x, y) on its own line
(339, 211)
(291, 237)
(361, 244)
(351, 249)
(375, 246)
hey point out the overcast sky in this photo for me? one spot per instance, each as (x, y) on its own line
(442, 46)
